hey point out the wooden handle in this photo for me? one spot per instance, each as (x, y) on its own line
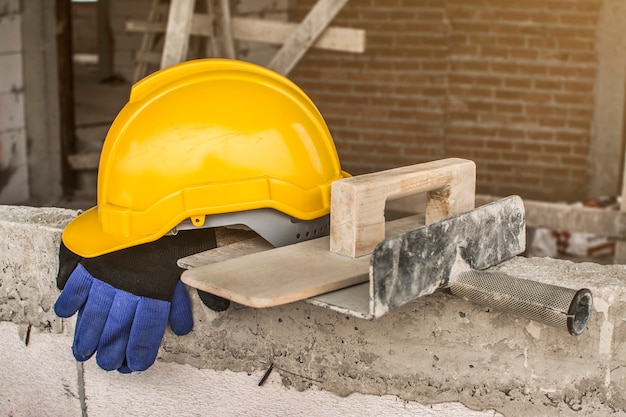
(357, 208)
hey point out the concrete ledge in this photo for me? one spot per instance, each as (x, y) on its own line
(440, 349)
(29, 245)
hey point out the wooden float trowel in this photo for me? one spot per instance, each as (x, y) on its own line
(367, 267)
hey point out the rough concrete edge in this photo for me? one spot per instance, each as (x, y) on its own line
(53, 220)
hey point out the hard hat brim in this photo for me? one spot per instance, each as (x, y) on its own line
(85, 237)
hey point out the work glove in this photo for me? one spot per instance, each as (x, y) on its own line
(125, 299)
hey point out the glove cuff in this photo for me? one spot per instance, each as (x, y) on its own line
(68, 261)
(150, 270)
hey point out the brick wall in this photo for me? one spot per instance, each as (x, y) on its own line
(507, 83)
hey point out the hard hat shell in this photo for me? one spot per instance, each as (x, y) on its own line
(206, 137)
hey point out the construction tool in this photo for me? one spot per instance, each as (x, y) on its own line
(453, 253)
(291, 273)
(410, 262)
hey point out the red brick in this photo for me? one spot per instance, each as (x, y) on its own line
(508, 108)
(518, 82)
(511, 41)
(580, 86)
(494, 52)
(537, 97)
(573, 99)
(547, 84)
(509, 95)
(493, 118)
(514, 157)
(579, 19)
(528, 54)
(572, 137)
(552, 122)
(471, 66)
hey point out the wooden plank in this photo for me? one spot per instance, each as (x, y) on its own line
(84, 161)
(141, 67)
(148, 57)
(200, 25)
(144, 26)
(335, 38)
(227, 30)
(223, 253)
(357, 220)
(283, 275)
(312, 26)
(177, 32)
(332, 38)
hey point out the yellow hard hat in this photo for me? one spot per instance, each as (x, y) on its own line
(201, 138)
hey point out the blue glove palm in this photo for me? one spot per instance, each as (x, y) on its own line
(125, 328)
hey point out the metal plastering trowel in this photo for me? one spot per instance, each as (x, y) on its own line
(454, 252)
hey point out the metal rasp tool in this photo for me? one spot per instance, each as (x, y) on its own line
(454, 253)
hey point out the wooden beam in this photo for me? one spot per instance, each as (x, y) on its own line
(312, 26)
(227, 29)
(177, 32)
(147, 40)
(223, 253)
(84, 161)
(334, 38)
(146, 57)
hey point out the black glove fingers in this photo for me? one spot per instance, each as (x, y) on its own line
(214, 302)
